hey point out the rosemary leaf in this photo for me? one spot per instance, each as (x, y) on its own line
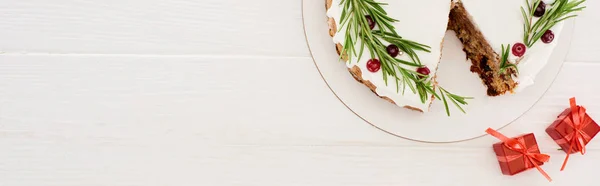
(359, 34)
(559, 11)
(445, 102)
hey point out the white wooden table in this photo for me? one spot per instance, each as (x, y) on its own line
(224, 92)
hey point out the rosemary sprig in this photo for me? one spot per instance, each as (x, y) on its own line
(504, 63)
(559, 11)
(405, 45)
(353, 19)
(457, 100)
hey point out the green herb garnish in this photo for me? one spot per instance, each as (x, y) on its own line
(504, 63)
(358, 31)
(559, 11)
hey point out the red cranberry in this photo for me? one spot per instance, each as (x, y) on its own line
(548, 36)
(373, 65)
(393, 50)
(519, 49)
(370, 21)
(424, 71)
(540, 10)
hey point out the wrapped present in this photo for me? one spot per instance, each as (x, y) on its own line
(518, 154)
(573, 130)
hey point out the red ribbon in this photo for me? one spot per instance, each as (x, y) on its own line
(577, 136)
(530, 155)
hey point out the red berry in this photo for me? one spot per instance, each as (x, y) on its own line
(540, 10)
(373, 65)
(370, 21)
(393, 50)
(548, 36)
(519, 49)
(424, 71)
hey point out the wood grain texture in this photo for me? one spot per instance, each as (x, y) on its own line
(207, 27)
(83, 95)
(117, 120)
(171, 27)
(163, 93)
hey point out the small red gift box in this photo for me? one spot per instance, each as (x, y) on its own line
(518, 154)
(573, 129)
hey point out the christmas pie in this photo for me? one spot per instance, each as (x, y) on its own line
(394, 46)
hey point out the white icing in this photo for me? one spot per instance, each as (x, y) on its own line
(501, 22)
(427, 26)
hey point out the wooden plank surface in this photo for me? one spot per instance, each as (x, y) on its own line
(184, 92)
(86, 96)
(171, 27)
(208, 27)
(106, 120)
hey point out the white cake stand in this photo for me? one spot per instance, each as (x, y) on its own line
(434, 126)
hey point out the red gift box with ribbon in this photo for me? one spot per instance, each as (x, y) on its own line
(573, 130)
(518, 154)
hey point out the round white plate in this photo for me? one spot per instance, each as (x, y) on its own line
(434, 126)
